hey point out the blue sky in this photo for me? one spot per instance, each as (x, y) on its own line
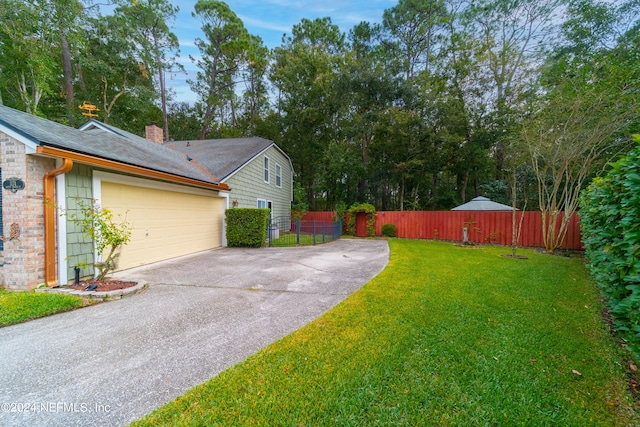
(269, 19)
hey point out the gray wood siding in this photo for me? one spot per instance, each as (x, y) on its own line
(247, 185)
(78, 187)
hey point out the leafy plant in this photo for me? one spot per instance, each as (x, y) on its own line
(108, 236)
(610, 214)
(299, 207)
(340, 212)
(389, 230)
(247, 227)
(371, 218)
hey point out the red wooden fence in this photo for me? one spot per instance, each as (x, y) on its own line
(483, 227)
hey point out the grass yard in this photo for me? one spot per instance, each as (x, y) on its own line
(16, 307)
(290, 239)
(444, 336)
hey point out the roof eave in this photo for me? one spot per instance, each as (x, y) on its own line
(30, 143)
(255, 156)
(122, 167)
(96, 124)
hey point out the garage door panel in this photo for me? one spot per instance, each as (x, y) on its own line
(165, 224)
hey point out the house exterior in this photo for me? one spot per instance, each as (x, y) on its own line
(47, 169)
(258, 171)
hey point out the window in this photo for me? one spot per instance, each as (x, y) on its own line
(266, 170)
(278, 176)
(262, 203)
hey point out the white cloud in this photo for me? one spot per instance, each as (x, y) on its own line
(267, 25)
(187, 43)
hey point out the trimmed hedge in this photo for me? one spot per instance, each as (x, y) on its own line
(388, 230)
(247, 227)
(610, 225)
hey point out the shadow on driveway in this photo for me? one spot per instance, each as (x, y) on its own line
(112, 363)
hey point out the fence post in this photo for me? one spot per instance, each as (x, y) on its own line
(314, 232)
(297, 231)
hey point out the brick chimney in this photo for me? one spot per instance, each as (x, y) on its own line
(154, 133)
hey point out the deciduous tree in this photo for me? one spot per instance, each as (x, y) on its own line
(156, 46)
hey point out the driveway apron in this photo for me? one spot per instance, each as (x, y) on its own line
(114, 362)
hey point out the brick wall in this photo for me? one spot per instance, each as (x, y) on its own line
(154, 133)
(22, 260)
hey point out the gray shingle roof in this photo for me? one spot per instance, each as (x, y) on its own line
(122, 146)
(222, 157)
(482, 204)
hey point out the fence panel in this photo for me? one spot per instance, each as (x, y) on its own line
(483, 227)
(286, 231)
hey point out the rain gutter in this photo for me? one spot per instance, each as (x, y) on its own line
(49, 221)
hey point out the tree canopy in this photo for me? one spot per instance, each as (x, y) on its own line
(436, 103)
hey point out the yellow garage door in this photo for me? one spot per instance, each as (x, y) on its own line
(166, 224)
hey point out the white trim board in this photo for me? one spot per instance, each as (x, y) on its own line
(99, 176)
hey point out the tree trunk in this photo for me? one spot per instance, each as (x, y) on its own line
(67, 70)
(402, 193)
(209, 111)
(463, 189)
(163, 89)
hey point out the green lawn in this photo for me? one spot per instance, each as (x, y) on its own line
(290, 239)
(16, 307)
(444, 336)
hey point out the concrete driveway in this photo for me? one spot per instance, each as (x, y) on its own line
(114, 362)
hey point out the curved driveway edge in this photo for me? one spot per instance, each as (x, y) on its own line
(112, 363)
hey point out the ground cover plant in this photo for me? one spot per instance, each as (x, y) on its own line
(445, 335)
(16, 307)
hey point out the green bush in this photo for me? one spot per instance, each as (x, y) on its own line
(610, 225)
(389, 230)
(247, 227)
(108, 236)
(299, 207)
(367, 208)
(340, 212)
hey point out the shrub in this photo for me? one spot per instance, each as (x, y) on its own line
(299, 207)
(610, 214)
(340, 212)
(389, 230)
(247, 227)
(367, 208)
(108, 236)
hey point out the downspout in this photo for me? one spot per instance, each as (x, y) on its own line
(49, 179)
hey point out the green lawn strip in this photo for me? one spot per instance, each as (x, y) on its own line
(16, 307)
(292, 240)
(445, 335)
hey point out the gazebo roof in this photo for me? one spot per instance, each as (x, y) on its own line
(482, 204)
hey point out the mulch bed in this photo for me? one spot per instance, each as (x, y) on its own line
(103, 285)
